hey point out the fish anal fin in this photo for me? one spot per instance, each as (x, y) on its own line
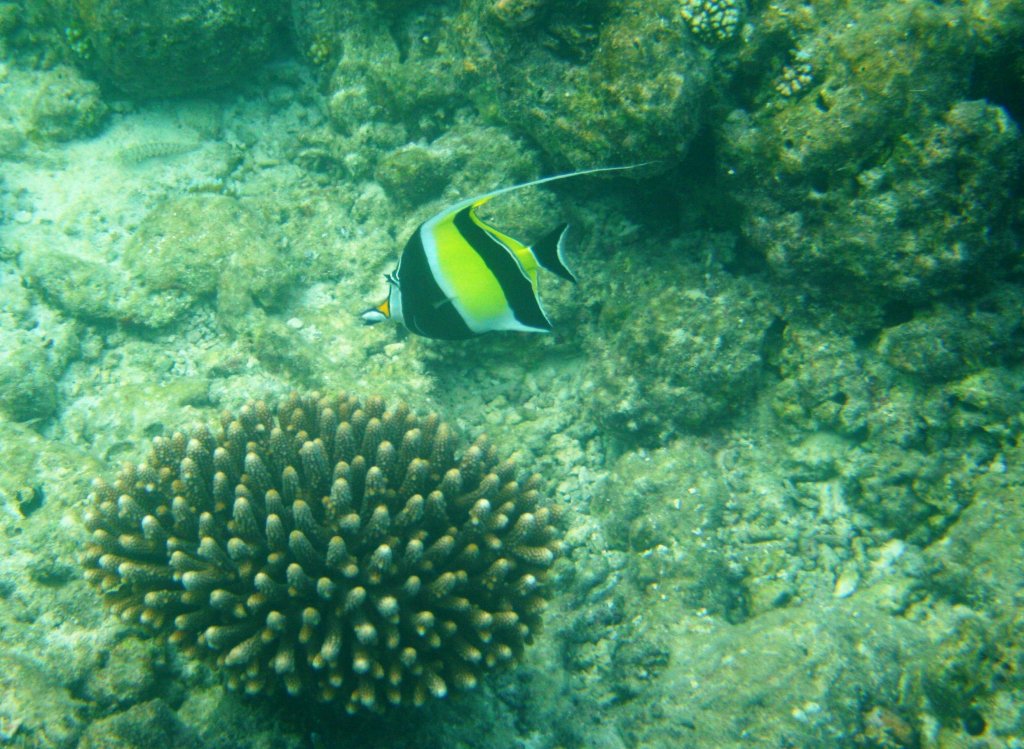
(550, 252)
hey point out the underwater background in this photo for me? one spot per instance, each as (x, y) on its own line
(780, 416)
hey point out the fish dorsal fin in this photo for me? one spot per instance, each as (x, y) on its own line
(478, 200)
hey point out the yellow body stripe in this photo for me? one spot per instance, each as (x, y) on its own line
(472, 283)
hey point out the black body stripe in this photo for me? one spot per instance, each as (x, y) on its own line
(425, 308)
(501, 262)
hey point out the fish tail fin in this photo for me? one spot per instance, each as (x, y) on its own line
(550, 253)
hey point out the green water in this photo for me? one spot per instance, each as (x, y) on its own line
(779, 416)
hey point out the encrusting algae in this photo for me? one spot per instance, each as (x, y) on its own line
(329, 548)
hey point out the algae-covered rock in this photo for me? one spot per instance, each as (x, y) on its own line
(66, 106)
(471, 159)
(175, 49)
(142, 726)
(128, 674)
(601, 84)
(593, 84)
(663, 508)
(961, 667)
(878, 185)
(198, 245)
(28, 379)
(48, 715)
(909, 452)
(877, 71)
(410, 174)
(278, 346)
(226, 720)
(90, 290)
(980, 563)
(674, 353)
(410, 75)
(998, 23)
(30, 460)
(11, 140)
(110, 419)
(934, 216)
(10, 17)
(956, 338)
(36, 346)
(45, 105)
(989, 399)
(824, 384)
(915, 492)
(833, 674)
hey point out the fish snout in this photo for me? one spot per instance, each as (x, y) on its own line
(377, 314)
(372, 316)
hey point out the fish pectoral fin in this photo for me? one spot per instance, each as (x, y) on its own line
(443, 302)
(549, 251)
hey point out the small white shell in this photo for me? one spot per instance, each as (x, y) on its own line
(846, 583)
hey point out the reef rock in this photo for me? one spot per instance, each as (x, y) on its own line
(172, 49)
(690, 359)
(596, 84)
(868, 174)
(199, 245)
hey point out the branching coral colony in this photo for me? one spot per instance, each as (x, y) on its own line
(327, 548)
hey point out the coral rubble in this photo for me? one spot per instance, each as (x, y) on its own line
(327, 548)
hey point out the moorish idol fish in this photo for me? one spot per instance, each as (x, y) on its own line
(459, 277)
